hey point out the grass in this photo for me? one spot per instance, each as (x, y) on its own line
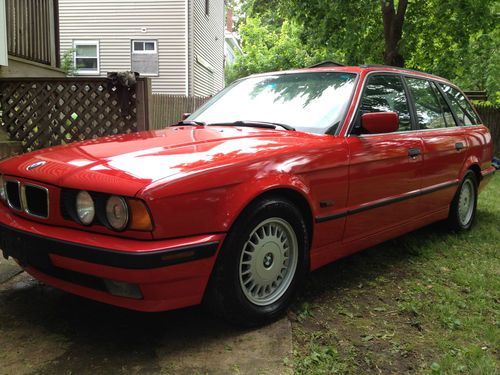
(424, 303)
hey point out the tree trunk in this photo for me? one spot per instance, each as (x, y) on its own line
(393, 31)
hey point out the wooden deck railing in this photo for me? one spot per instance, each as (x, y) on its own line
(33, 30)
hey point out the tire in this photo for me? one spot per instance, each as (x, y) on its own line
(464, 204)
(263, 260)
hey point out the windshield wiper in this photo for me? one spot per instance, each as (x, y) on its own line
(254, 124)
(191, 122)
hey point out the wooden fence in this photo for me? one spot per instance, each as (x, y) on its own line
(32, 30)
(43, 112)
(167, 110)
(491, 118)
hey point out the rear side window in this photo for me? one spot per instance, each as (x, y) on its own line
(428, 109)
(386, 93)
(461, 107)
(448, 115)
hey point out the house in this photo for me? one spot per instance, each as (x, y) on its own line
(231, 40)
(29, 39)
(178, 43)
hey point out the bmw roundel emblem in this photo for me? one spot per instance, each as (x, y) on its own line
(35, 165)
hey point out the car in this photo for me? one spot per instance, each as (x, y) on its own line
(275, 176)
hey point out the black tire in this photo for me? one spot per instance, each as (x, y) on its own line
(225, 295)
(455, 221)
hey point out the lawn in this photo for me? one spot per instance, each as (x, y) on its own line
(424, 303)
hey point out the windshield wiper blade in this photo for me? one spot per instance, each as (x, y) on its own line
(254, 124)
(191, 122)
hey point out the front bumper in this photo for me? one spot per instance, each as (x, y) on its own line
(170, 274)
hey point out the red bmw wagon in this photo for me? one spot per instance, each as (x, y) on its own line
(277, 175)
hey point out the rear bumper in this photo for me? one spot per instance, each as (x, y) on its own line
(170, 274)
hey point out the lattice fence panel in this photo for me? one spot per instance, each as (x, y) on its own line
(48, 112)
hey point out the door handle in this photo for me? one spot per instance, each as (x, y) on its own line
(414, 152)
(459, 146)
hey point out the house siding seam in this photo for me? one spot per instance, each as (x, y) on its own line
(208, 47)
(114, 23)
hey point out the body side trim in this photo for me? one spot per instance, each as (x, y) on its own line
(386, 202)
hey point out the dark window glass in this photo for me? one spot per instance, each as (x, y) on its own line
(150, 46)
(385, 93)
(138, 46)
(427, 106)
(448, 116)
(462, 108)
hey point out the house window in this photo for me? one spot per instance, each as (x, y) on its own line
(144, 46)
(86, 57)
(145, 57)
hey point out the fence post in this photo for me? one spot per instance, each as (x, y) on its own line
(143, 103)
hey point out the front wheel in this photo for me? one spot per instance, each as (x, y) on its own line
(463, 206)
(261, 264)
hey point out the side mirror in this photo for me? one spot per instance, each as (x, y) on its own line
(380, 122)
(185, 116)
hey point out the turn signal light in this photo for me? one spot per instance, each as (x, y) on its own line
(140, 219)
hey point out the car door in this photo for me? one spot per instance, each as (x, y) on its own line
(445, 144)
(385, 169)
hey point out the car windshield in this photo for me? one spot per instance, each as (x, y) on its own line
(313, 102)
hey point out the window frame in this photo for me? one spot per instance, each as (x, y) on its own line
(432, 84)
(356, 122)
(447, 99)
(95, 43)
(144, 51)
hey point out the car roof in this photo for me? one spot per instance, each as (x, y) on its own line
(359, 70)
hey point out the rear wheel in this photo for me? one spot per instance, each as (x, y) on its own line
(262, 262)
(463, 206)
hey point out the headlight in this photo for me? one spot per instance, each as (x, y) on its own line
(117, 212)
(3, 194)
(85, 208)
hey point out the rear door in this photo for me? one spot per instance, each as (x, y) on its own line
(384, 171)
(445, 144)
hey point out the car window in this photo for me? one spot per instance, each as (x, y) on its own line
(460, 105)
(314, 102)
(386, 93)
(448, 115)
(427, 107)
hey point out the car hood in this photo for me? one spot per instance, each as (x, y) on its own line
(125, 164)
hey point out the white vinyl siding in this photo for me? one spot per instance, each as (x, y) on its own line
(115, 23)
(3, 35)
(208, 47)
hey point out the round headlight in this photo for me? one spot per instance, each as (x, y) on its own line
(117, 212)
(85, 209)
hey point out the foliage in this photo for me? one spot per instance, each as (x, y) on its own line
(67, 62)
(267, 49)
(458, 41)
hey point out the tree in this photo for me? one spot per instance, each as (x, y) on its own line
(393, 30)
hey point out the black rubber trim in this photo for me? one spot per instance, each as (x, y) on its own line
(322, 219)
(23, 243)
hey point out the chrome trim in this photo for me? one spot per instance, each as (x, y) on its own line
(25, 201)
(19, 192)
(22, 197)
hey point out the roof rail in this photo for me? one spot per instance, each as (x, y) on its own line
(326, 63)
(389, 66)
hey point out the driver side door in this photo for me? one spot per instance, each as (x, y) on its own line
(385, 169)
